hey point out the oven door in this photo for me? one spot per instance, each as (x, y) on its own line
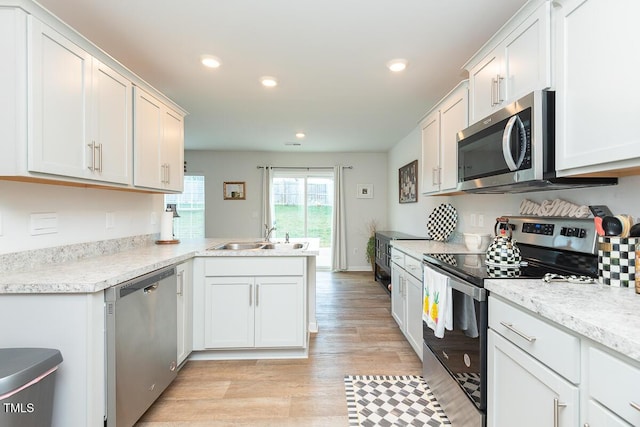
(454, 366)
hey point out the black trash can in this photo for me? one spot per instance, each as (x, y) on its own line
(27, 380)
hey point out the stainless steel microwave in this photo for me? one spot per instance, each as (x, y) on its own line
(513, 150)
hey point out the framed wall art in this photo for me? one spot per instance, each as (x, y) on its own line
(365, 191)
(408, 183)
(234, 191)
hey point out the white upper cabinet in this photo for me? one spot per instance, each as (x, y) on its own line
(439, 144)
(61, 86)
(159, 144)
(81, 124)
(516, 61)
(596, 101)
(66, 110)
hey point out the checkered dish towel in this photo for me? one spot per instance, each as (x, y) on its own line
(438, 302)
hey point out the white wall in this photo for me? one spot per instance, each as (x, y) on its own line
(81, 214)
(242, 218)
(412, 218)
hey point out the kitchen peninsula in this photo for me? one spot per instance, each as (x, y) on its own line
(62, 305)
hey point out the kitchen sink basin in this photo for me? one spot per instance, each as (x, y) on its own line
(284, 246)
(239, 246)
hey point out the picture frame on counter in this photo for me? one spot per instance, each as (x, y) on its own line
(408, 183)
(365, 191)
(234, 190)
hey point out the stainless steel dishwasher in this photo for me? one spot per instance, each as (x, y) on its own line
(141, 344)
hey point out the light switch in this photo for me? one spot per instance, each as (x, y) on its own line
(44, 223)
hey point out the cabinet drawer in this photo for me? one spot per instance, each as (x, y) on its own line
(397, 257)
(254, 266)
(413, 267)
(554, 347)
(614, 383)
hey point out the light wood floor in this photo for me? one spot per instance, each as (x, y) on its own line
(357, 336)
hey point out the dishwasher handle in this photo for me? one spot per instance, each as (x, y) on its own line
(146, 283)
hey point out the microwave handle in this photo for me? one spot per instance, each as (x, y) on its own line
(506, 143)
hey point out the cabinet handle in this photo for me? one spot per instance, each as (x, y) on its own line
(168, 173)
(556, 408)
(257, 295)
(180, 282)
(99, 158)
(517, 332)
(92, 146)
(635, 405)
(493, 92)
(435, 176)
(499, 95)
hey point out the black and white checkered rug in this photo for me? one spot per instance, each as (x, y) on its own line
(405, 400)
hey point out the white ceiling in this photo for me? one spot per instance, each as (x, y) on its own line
(328, 55)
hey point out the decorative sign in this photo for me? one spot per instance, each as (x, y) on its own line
(557, 207)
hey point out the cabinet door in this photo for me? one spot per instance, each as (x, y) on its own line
(279, 307)
(431, 153)
(599, 416)
(594, 104)
(414, 314)
(454, 116)
(147, 140)
(112, 125)
(397, 295)
(229, 313)
(526, 64)
(523, 392)
(172, 156)
(484, 83)
(184, 310)
(60, 99)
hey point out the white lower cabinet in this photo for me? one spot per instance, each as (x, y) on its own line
(406, 297)
(263, 308)
(525, 393)
(542, 375)
(245, 312)
(184, 294)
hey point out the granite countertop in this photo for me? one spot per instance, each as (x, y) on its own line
(605, 314)
(416, 248)
(97, 273)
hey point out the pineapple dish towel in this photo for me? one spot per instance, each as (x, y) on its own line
(437, 306)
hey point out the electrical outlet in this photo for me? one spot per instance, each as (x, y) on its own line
(472, 219)
(154, 218)
(110, 220)
(480, 220)
(44, 223)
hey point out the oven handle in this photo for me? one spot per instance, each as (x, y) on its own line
(478, 294)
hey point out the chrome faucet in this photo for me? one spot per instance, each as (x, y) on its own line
(267, 232)
(286, 237)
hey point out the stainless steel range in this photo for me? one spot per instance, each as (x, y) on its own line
(455, 366)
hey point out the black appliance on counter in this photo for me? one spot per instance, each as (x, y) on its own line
(455, 366)
(382, 265)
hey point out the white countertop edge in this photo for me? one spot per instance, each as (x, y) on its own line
(607, 315)
(96, 274)
(417, 248)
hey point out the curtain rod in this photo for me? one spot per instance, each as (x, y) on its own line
(304, 167)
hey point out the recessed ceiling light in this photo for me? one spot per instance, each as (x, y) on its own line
(397, 65)
(268, 81)
(210, 61)
(300, 135)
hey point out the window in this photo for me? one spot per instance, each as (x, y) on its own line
(190, 207)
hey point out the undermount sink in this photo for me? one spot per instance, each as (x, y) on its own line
(239, 246)
(246, 246)
(283, 246)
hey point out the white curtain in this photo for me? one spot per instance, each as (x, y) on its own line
(339, 238)
(267, 190)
